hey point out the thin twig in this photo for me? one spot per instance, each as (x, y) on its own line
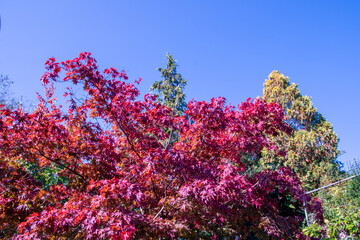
(60, 164)
(158, 212)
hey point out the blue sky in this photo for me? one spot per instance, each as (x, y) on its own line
(223, 48)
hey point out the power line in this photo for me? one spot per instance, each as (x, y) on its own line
(332, 184)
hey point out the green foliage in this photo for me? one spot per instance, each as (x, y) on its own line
(341, 205)
(313, 230)
(341, 226)
(347, 224)
(48, 175)
(312, 149)
(170, 90)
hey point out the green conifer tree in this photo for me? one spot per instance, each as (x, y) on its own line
(170, 90)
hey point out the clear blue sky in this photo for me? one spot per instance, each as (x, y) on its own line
(224, 48)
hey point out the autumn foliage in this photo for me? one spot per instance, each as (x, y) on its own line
(312, 149)
(127, 180)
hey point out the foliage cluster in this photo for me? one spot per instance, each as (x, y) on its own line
(311, 152)
(341, 206)
(119, 173)
(312, 149)
(170, 90)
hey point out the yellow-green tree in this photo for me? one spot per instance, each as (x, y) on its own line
(312, 149)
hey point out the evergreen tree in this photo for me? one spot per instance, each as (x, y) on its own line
(312, 149)
(170, 90)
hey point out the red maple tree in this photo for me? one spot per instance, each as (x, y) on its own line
(127, 176)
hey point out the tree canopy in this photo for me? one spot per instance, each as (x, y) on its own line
(312, 148)
(125, 182)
